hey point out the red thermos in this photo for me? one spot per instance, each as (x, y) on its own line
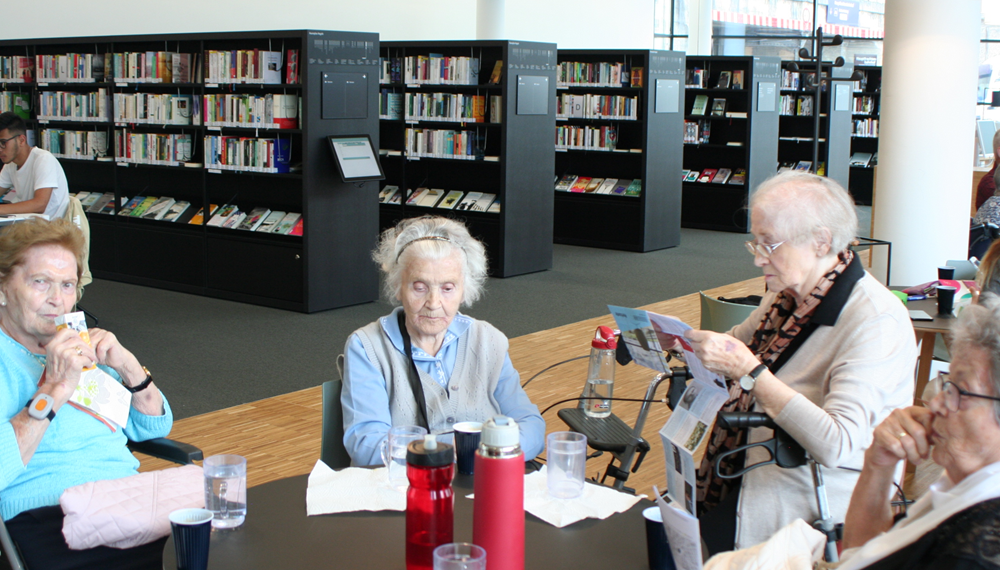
(498, 510)
(429, 500)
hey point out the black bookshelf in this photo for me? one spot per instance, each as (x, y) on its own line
(795, 133)
(864, 133)
(744, 136)
(512, 155)
(328, 266)
(647, 147)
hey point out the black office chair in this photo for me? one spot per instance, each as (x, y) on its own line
(332, 449)
(980, 238)
(161, 448)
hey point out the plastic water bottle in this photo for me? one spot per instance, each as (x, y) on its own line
(498, 510)
(600, 374)
(429, 500)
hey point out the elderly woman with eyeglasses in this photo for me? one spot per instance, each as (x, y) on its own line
(829, 354)
(426, 363)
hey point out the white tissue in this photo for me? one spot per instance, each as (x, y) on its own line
(349, 490)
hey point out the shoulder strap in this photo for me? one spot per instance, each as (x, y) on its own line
(414, 375)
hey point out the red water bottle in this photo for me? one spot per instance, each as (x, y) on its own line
(430, 500)
(498, 511)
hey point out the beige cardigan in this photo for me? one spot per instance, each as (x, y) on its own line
(849, 377)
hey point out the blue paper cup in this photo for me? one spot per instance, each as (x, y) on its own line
(466, 443)
(657, 546)
(192, 530)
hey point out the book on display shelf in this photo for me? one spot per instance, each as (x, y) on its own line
(804, 165)
(636, 80)
(146, 204)
(297, 228)
(199, 217)
(254, 219)
(738, 79)
(684, 174)
(565, 183)
(593, 185)
(90, 199)
(621, 187)
(451, 200)
(804, 106)
(692, 176)
(431, 197)
(700, 105)
(386, 192)
(739, 177)
(416, 196)
(234, 220)
(581, 184)
(707, 175)
(176, 211)
(81, 196)
(287, 223)
(267, 226)
(126, 210)
(722, 176)
(607, 186)
(494, 207)
(718, 107)
(101, 202)
(724, 79)
(222, 215)
(397, 198)
(109, 208)
(470, 200)
(634, 188)
(483, 203)
(158, 209)
(497, 74)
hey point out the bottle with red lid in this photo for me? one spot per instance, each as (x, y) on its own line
(430, 500)
(598, 391)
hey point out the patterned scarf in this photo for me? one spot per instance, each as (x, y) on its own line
(782, 323)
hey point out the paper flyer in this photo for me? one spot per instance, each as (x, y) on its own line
(103, 395)
(683, 534)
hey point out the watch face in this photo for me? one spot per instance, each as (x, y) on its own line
(748, 382)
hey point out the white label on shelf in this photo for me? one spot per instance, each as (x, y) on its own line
(43, 84)
(211, 85)
(125, 164)
(121, 84)
(215, 171)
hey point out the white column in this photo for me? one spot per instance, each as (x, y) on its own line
(491, 20)
(699, 27)
(926, 134)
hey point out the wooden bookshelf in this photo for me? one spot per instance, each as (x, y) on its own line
(511, 155)
(745, 136)
(647, 147)
(328, 266)
(864, 133)
(796, 128)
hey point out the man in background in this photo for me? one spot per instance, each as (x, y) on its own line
(33, 176)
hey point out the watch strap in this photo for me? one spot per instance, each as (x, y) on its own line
(757, 371)
(141, 385)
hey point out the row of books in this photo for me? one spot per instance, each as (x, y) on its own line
(438, 143)
(452, 107)
(700, 106)
(223, 66)
(156, 109)
(716, 176)
(68, 106)
(698, 78)
(153, 148)
(790, 79)
(864, 105)
(804, 165)
(435, 69)
(440, 198)
(268, 111)
(593, 185)
(588, 106)
(801, 105)
(604, 138)
(84, 145)
(597, 74)
(697, 132)
(865, 128)
(864, 159)
(248, 154)
(15, 102)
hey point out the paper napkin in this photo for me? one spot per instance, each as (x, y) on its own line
(351, 489)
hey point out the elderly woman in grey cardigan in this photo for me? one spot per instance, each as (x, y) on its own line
(829, 354)
(426, 363)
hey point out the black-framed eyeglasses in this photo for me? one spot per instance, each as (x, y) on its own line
(3, 142)
(952, 393)
(761, 249)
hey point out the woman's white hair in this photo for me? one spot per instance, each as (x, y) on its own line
(434, 238)
(979, 326)
(801, 206)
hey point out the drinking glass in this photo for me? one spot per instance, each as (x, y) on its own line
(226, 489)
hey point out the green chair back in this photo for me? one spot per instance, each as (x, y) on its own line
(332, 451)
(720, 316)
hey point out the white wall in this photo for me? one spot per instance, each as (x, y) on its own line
(579, 24)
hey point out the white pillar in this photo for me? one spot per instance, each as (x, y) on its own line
(491, 20)
(926, 133)
(699, 27)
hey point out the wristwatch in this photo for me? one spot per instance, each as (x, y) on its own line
(40, 407)
(750, 380)
(141, 385)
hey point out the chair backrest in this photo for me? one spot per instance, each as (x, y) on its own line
(964, 269)
(720, 316)
(76, 215)
(980, 238)
(332, 450)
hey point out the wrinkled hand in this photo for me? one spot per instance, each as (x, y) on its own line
(721, 353)
(66, 357)
(905, 434)
(110, 352)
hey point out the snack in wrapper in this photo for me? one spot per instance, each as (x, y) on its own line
(78, 322)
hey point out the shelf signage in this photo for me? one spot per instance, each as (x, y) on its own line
(843, 12)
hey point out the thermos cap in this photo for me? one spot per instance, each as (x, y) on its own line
(500, 431)
(429, 452)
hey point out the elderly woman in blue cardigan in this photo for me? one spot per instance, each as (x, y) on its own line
(47, 444)
(431, 266)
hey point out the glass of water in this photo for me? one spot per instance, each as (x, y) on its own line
(459, 556)
(226, 489)
(394, 453)
(566, 461)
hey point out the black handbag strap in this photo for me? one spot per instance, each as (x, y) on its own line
(414, 375)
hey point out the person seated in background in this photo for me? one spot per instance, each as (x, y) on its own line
(44, 452)
(988, 184)
(431, 266)
(956, 524)
(989, 211)
(829, 354)
(34, 176)
(988, 274)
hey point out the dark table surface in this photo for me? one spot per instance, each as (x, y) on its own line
(277, 534)
(929, 306)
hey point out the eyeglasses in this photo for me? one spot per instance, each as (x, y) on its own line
(761, 249)
(3, 142)
(952, 393)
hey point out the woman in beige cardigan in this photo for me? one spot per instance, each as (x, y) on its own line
(829, 354)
